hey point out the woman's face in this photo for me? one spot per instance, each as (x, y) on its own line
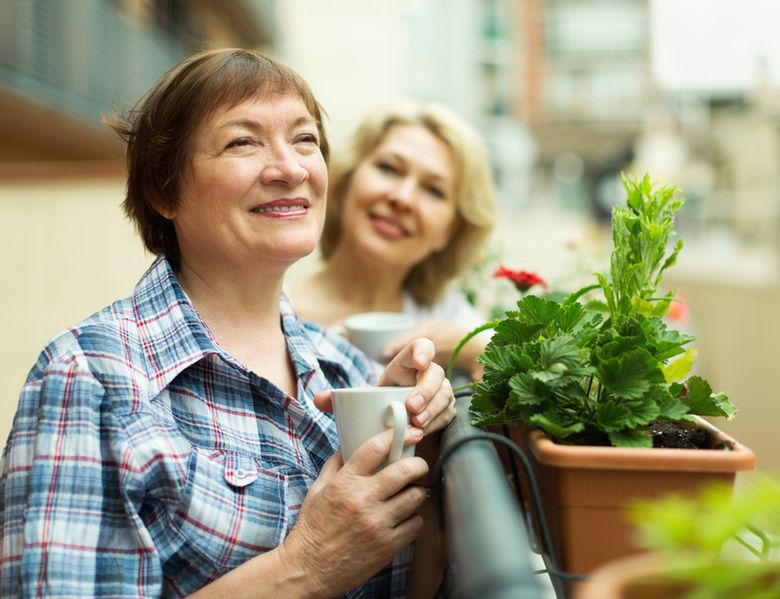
(400, 204)
(254, 192)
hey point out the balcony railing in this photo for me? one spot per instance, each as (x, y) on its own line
(489, 544)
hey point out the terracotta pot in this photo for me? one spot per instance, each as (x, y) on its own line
(632, 577)
(585, 489)
(647, 576)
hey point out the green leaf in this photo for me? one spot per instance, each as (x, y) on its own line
(555, 429)
(679, 369)
(502, 359)
(487, 399)
(537, 310)
(664, 343)
(596, 306)
(525, 390)
(631, 438)
(559, 351)
(671, 408)
(514, 332)
(629, 375)
(702, 401)
(570, 316)
(614, 416)
(572, 298)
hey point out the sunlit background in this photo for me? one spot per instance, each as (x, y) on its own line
(568, 94)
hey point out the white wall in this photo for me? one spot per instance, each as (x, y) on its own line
(351, 52)
(66, 251)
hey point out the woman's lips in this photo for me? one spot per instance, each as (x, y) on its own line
(389, 228)
(283, 208)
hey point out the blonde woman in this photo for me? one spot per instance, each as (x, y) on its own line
(410, 205)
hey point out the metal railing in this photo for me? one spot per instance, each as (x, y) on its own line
(490, 547)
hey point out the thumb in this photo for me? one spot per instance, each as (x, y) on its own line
(324, 401)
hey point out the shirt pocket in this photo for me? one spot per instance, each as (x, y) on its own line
(231, 507)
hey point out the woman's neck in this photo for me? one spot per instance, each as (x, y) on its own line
(226, 298)
(241, 309)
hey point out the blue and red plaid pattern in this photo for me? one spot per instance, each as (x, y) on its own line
(145, 461)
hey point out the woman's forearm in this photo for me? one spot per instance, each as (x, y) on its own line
(274, 573)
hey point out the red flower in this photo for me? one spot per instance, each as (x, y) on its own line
(523, 280)
(679, 310)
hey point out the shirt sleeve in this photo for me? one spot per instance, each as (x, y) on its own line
(69, 528)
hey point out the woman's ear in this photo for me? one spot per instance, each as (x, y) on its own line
(164, 210)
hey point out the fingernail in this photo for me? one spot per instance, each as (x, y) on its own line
(423, 417)
(417, 433)
(417, 402)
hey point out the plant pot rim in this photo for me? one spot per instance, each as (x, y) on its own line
(611, 580)
(549, 453)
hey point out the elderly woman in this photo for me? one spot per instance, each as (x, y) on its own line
(175, 442)
(410, 205)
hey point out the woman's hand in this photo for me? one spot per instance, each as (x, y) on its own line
(431, 404)
(353, 521)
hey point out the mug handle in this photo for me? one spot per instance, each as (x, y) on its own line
(395, 416)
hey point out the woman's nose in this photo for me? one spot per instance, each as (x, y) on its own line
(283, 168)
(403, 193)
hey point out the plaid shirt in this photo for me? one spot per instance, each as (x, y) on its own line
(145, 461)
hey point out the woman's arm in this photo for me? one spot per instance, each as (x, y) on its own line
(352, 522)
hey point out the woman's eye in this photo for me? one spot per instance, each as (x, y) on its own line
(309, 138)
(386, 167)
(241, 141)
(436, 191)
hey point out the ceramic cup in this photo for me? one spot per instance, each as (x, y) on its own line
(373, 331)
(362, 412)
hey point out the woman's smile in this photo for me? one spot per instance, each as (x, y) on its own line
(283, 208)
(389, 227)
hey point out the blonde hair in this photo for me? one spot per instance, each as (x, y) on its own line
(474, 194)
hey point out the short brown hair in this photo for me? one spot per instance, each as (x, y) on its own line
(475, 200)
(158, 131)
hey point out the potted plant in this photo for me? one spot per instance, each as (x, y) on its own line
(710, 545)
(597, 390)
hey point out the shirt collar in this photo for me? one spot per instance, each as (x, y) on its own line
(174, 335)
(304, 353)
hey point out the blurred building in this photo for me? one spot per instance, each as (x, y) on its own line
(63, 64)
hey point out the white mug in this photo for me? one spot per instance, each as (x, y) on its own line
(362, 412)
(373, 331)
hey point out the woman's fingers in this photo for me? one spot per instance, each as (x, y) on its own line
(404, 369)
(432, 396)
(434, 390)
(373, 452)
(324, 401)
(439, 412)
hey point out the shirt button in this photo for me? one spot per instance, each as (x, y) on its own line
(241, 473)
